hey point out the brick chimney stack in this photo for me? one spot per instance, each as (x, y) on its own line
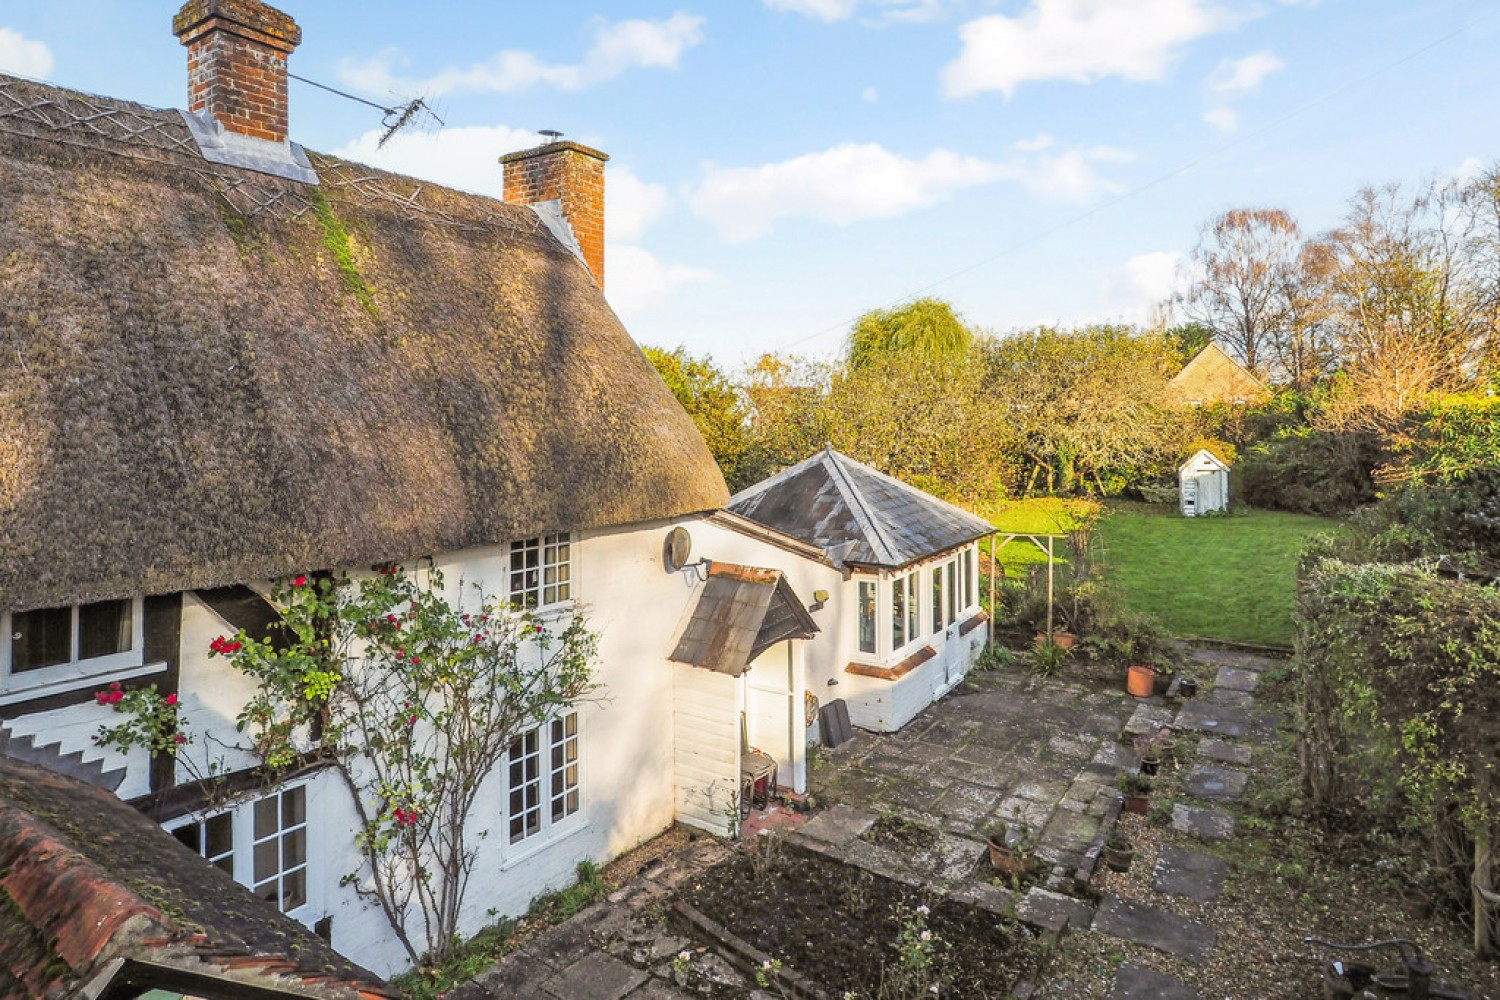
(571, 174)
(237, 52)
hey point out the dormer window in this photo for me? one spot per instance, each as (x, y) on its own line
(50, 645)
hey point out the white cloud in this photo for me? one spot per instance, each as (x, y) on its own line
(465, 158)
(618, 46)
(823, 10)
(1223, 118)
(23, 57)
(853, 182)
(1078, 40)
(631, 204)
(636, 279)
(1236, 77)
(829, 11)
(1134, 291)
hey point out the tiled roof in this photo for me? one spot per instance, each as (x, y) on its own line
(857, 515)
(85, 879)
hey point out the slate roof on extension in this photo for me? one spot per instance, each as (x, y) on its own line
(86, 880)
(857, 515)
(210, 375)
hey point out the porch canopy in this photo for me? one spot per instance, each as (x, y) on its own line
(741, 612)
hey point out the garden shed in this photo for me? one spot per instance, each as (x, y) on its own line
(1203, 484)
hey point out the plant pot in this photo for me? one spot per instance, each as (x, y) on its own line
(1138, 804)
(1188, 688)
(1161, 683)
(1140, 679)
(1062, 640)
(1168, 750)
(1118, 859)
(1150, 765)
(1008, 860)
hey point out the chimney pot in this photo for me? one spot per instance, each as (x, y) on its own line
(572, 174)
(237, 54)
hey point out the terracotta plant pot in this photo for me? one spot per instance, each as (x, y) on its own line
(1008, 860)
(1140, 680)
(1138, 804)
(1062, 640)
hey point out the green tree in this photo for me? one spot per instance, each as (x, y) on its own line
(923, 326)
(715, 404)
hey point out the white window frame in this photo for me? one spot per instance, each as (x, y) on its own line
(243, 843)
(908, 586)
(859, 609)
(548, 829)
(545, 547)
(74, 673)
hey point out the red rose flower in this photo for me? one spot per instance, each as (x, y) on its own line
(301, 581)
(171, 699)
(179, 738)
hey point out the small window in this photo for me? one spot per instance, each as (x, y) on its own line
(898, 612)
(968, 575)
(279, 849)
(211, 839)
(526, 793)
(867, 616)
(951, 571)
(49, 645)
(541, 571)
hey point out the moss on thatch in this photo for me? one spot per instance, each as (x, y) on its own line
(176, 412)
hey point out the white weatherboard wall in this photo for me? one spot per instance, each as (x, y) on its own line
(706, 758)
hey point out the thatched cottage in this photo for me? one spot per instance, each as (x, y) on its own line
(225, 360)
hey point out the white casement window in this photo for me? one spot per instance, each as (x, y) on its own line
(263, 844)
(543, 784)
(905, 622)
(541, 571)
(966, 570)
(54, 645)
(867, 606)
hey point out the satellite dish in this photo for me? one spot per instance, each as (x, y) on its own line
(677, 550)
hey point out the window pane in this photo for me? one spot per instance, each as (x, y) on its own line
(189, 837)
(898, 613)
(952, 573)
(294, 848)
(937, 599)
(226, 863)
(293, 807)
(866, 616)
(265, 818)
(41, 638)
(267, 861)
(219, 835)
(913, 623)
(105, 628)
(294, 889)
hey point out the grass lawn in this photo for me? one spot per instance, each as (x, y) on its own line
(1219, 577)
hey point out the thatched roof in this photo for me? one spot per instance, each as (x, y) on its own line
(209, 375)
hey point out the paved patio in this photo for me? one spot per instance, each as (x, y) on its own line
(1004, 748)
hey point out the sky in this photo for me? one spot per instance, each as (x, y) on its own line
(779, 167)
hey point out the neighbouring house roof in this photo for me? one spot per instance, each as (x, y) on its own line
(1212, 376)
(741, 612)
(209, 374)
(857, 515)
(91, 889)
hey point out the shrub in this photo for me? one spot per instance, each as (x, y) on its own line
(1309, 471)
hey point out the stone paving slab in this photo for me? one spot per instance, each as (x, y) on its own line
(1236, 679)
(596, 976)
(1238, 659)
(1134, 982)
(1219, 720)
(1210, 824)
(1145, 719)
(1219, 784)
(1229, 696)
(1155, 928)
(1054, 912)
(838, 824)
(1182, 871)
(1223, 751)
